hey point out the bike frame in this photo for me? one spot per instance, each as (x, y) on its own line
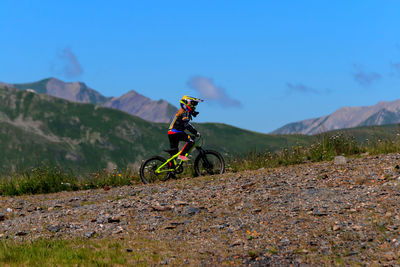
(158, 170)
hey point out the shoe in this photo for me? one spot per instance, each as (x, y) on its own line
(183, 158)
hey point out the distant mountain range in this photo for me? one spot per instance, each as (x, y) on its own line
(132, 102)
(347, 117)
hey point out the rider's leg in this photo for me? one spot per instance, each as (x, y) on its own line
(173, 144)
(189, 144)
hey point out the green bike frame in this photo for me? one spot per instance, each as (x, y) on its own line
(158, 170)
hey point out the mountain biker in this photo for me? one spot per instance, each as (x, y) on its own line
(180, 123)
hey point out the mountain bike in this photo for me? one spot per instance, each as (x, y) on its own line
(157, 168)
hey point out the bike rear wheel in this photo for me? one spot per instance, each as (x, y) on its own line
(148, 168)
(209, 163)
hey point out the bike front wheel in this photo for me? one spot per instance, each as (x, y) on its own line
(148, 170)
(209, 163)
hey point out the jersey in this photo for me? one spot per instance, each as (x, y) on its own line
(180, 123)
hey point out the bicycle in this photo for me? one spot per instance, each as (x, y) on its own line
(157, 168)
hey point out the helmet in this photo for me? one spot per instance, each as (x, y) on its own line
(189, 103)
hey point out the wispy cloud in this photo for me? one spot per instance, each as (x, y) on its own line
(364, 78)
(67, 64)
(395, 66)
(303, 89)
(209, 91)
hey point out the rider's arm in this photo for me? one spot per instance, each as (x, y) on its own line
(191, 128)
(187, 125)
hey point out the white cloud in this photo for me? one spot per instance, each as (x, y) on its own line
(209, 91)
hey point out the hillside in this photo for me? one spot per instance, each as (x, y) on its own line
(86, 137)
(347, 117)
(318, 214)
(132, 102)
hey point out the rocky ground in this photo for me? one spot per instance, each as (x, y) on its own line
(316, 214)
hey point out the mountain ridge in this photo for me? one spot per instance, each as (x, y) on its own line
(138, 105)
(384, 112)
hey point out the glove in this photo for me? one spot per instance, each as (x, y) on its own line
(198, 134)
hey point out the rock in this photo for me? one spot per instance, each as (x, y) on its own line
(160, 208)
(352, 253)
(180, 203)
(106, 188)
(336, 227)
(164, 261)
(21, 233)
(101, 220)
(129, 250)
(285, 241)
(53, 228)
(390, 256)
(113, 219)
(219, 227)
(170, 227)
(90, 234)
(237, 242)
(192, 211)
(248, 185)
(119, 230)
(340, 160)
(2, 217)
(9, 210)
(178, 223)
(319, 213)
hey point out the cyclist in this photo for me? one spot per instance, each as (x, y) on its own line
(180, 123)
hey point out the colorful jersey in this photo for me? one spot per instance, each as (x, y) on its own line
(180, 123)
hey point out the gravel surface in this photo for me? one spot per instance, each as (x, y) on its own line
(313, 214)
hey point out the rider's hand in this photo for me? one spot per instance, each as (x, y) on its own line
(198, 134)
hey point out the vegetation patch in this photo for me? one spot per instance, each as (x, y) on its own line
(325, 148)
(84, 252)
(49, 179)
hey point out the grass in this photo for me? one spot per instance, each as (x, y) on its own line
(325, 148)
(50, 179)
(79, 252)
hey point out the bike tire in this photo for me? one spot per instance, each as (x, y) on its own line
(212, 157)
(148, 167)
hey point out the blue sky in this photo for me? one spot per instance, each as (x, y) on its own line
(260, 64)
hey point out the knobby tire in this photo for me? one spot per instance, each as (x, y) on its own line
(210, 163)
(148, 167)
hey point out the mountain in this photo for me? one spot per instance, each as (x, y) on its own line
(143, 107)
(73, 91)
(86, 137)
(347, 117)
(132, 102)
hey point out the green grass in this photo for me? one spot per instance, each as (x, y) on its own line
(325, 148)
(76, 252)
(48, 179)
(132, 251)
